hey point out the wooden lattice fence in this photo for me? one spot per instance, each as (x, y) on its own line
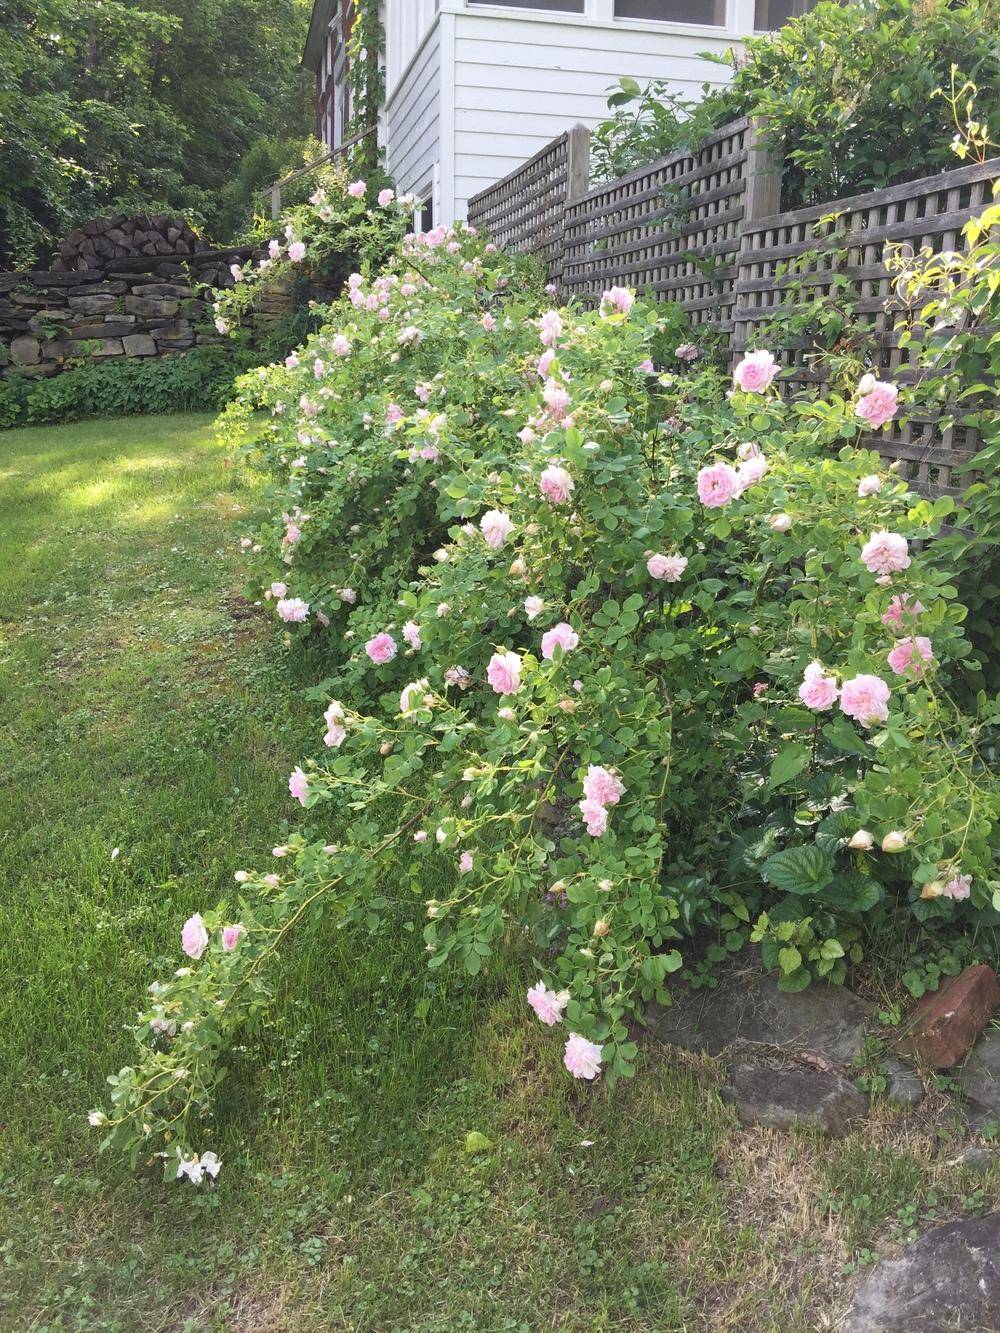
(841, 249)
(704, 230)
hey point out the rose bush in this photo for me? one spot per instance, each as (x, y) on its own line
(635, 656)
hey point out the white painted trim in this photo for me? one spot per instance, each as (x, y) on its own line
(446, 120)
(595, 17)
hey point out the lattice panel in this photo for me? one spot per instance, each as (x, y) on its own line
(524, 211)
(671, 229)
(846, 260)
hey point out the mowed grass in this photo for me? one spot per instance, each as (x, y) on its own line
(150, 718)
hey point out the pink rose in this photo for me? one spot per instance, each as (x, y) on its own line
(717, 485)
(556, 399)
(865, 698)
(646, 367)
(231, 936)
(556, 485)
(687, 352)
(385, 198)
(411, 633)
(340, 346)
(901, 608)
(669, 568)
(291, 361)
(602, 785)
(356, 189)
(393, 413)
(547, 1004)
(595, 816)
(496, 527)
(278, 590)
(381, 649)
(751, 471)
(489, 323)
(560, 636)
(958, 888)
(297, 252)
(818, 691)
(869, 486)
(909, 655)
(465, 863)
(274, 249)
(550, 326)
(617, 300)
(292, 610)
(298, 785)
(194, 936)
(755, 372)
(582, 1057)
(885, 553)
(504, 673)
(878, 405)
(544, 362)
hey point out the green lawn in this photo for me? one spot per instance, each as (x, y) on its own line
(147, 708)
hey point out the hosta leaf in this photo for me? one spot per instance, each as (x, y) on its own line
(799, 869)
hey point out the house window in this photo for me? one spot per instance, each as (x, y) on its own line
(773, 14)
(559, 6)
(711, 12)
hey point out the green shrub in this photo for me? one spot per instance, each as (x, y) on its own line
(849, 92)
(200, 380)
(619, 660)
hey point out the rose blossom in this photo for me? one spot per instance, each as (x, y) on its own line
(340, 346)
(901, 608)
(278, 590)
(292, 610)
(496, 527)
(231, 936)
(687, 352)
(504, 672)
(958, 888)
(870, 485)
(717, 485)
(865, 698)
(818, 691)
(381, 649)
(755, 372)
(909, 655)
(752, 470)
(336, 732)
(617, 299)
(194, 936)
(894, 841)
(547, 1004)
(560, 636)
(356, 189)
(465, 863)
(298, 785)
(411, 633)
(861, 841)
(274, 248)
(595, 816)
(878, 405)
(488, 323)
(413, 694)
(544, 362)
(457, 675)
(602, 785)
(556, 485)
(556, 399)
(885, 553)
(420, 835)
(347, 595)
(297, 252)
(669, 568)
(780, 522)
(582, 1057)
(550, 326)
(385, 198)
(533, 607)
(291, 361)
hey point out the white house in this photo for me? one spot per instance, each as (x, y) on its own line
(474, 87)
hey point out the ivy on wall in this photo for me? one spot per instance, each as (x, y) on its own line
(366, 83)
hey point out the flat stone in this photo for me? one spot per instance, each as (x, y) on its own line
(748, 1006)
(944, 1025)
(979, 1077)
(903, 1085)
(977, 1159)
(102, 303)
(108, 347)
(152, 307)
(796, 1096)
(946, 1280)
(25, 351)
(161, 289)
(37, 300)
(139, 344)
(108, 328)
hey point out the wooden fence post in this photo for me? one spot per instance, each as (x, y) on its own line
(578, 162)
(763, 193)
(276, 200)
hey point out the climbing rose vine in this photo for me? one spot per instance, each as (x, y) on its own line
(619, 656)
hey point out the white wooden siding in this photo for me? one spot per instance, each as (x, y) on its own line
(413, 120)
(520, 81)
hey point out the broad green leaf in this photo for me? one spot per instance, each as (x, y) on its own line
(799, 869)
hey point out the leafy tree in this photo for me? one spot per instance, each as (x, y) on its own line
(113, 104)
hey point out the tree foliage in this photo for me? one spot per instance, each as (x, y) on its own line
(112, 104)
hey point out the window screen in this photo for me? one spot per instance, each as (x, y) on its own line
(560, 6)
(712, 12)
(771, 14)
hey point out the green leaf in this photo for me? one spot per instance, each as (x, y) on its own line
(843, 736)
(852, 892)
(476, 1142)
(794, 981)
(787, 763)
(799, 869)
(789, 959)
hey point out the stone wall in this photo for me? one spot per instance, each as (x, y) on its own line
(140, 305)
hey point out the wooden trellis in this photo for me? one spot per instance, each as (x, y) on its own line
(841, 249)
